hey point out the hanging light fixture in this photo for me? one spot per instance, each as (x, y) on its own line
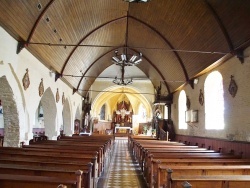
(126, 60)
(136, 1)
(122, 81)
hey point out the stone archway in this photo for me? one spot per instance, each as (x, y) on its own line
(49, 112)
(10, 114)
(67, 122)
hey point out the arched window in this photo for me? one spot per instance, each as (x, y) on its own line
(102, 113)
(165, 112)
(182, 109)
(142, 114)
(214, 101)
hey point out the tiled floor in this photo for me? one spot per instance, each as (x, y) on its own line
(124, 171)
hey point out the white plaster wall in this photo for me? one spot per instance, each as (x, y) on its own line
(237, 109)
(13, 66)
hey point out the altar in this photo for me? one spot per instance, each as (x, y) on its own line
(126, 128)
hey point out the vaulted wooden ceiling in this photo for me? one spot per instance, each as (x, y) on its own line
(179, 39)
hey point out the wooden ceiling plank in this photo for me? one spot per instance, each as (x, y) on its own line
(74, 49)
(22, 44)
(168, 43)
(221, 26)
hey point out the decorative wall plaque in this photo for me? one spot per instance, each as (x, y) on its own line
(201, 98)
(41, 88)
(63, 98)
(57, 95)
(26, 80)
(188, 103)
(232, 87)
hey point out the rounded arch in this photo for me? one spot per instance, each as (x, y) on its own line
(11, 125)
(66, 118)
(49, 110)
(112, 94)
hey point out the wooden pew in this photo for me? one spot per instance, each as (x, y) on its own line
(18, 181)
(53, 167)
(104, 151)
(47, 157)
(145, 152)
(63, 173)
(149, 168)
(218, 181)
(150, 149)
(57, 156)
(75, 149)
(162, 179)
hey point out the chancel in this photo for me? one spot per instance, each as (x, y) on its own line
(124, 93)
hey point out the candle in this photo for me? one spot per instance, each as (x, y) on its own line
(167, 135)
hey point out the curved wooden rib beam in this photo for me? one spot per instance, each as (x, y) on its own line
(239, 52)
(144, 23)
(168, 43)
(150, 62)
(21, 45)
(74, 49)
(159, 72)
(83, 75)
(222, 27)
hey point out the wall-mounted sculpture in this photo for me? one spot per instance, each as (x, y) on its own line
(26, 80)
(232, 87)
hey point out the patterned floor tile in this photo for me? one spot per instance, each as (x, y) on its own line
(123, 172)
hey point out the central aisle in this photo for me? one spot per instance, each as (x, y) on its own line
(124, 171)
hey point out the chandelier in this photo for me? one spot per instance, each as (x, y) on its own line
(136, 1)
(121, 81)
(126, 60)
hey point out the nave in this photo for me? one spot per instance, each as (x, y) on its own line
(123, 171)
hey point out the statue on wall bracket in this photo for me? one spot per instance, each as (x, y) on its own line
(63, 98)
(57, 96)
(201, 98)
(26, 80)
(188, 103)
(232, 87)
(41, 88)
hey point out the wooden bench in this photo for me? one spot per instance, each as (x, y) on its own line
(178, 150)
(103, 152)
(217, 181)
(162, 179)
(19, 181)
(88, 178)
(190, 163)
(75, 149)
(63, 173)
(149, 168)
(56, 158)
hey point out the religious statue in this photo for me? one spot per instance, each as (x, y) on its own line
(77, 126)
(86, 122)
(1, 107)
(158, 93)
